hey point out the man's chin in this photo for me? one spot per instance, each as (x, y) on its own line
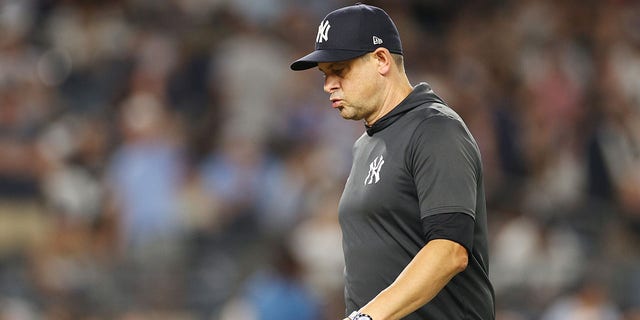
(345, 114)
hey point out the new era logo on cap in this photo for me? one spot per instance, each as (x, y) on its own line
(355, 30)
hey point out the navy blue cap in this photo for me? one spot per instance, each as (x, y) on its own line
(350, 32)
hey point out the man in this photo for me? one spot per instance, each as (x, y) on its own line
(413, 213)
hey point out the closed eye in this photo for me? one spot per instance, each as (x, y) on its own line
(337, 69)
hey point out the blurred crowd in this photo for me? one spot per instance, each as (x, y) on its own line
(159, 160)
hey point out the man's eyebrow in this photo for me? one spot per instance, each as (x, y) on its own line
(337, 65)
(327, 67)
(333, 66)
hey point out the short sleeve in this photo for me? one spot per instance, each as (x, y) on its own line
(445, 164)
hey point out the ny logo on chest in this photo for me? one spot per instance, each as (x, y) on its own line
(374, 170)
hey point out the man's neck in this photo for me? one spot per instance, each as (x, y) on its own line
(391, 98)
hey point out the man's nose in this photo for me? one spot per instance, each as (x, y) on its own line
(330, 84)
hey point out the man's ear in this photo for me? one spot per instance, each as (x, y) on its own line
(383, 59)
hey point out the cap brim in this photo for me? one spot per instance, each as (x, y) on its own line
(311, 60)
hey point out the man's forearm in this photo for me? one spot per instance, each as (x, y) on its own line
(430, 270)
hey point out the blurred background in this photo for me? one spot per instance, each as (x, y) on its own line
(159, 160)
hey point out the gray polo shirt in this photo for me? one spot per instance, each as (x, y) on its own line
(417, 161)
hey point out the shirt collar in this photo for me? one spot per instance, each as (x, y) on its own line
(421, 94)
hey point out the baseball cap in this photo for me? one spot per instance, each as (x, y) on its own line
(350, 32)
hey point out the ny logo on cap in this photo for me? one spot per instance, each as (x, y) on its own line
(323, 32)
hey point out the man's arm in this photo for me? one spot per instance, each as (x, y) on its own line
(429, 271)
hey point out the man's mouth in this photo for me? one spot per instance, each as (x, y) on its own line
(335, 103)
